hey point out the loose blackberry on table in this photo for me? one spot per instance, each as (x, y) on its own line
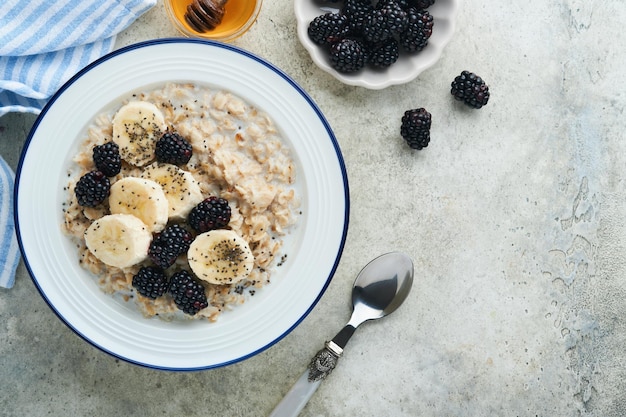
(151, 282)
(92, 189)
(169, 244)
(107, 158)
(188, 294)
(415, 128)
(470, 89)
(172, 148)
(212, 213)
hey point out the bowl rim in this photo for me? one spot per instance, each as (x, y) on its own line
(340, 160)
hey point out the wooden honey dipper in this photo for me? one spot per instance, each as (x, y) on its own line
(205, 15)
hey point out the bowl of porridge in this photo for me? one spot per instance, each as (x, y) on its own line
(166, 215)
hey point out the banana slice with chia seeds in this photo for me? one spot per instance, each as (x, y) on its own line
(180, 187)
(137, 126)
(119, 240)
(220, 257)
(141, 197)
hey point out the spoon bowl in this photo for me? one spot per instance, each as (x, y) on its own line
(382, 286)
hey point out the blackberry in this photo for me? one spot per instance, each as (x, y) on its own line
(107, 158)
(422, 4)
(404, 4)
(356, 11)
(418, 30)
(416, 128)
(328, 28)
(470, 89)
(384, 54)
(169, 245)
(212, 213)
(348, 55)
(92, 189)
(151, 282)
(172, 148)
(384, 22)
(188, 294)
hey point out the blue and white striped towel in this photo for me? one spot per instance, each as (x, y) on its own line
(43, 43)
(9, 251)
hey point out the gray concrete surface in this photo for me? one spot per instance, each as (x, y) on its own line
(514, 216)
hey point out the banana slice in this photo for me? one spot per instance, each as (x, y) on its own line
(119, 240)
(220, 257)
(141, 197)
(137, 126)
(180, 187)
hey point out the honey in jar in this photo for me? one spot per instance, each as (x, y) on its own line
(238, 16)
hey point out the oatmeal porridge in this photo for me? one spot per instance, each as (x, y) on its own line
(142, 230)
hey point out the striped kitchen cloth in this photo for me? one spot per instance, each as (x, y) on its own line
(43, 43)
(9, 251)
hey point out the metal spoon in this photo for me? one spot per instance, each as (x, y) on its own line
(379, 289)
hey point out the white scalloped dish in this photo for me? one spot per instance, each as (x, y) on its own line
(408, 66)
(314, 244)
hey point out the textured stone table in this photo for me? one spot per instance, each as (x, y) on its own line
(514, 216)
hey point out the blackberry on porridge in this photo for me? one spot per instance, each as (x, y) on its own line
(179, 199)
